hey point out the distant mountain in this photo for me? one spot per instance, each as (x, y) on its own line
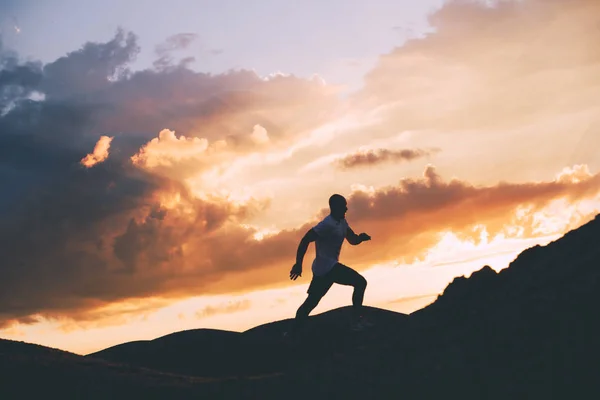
(531, 331)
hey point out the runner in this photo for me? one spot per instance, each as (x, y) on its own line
(329, 235)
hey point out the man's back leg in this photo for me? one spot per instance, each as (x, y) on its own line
(347, 276)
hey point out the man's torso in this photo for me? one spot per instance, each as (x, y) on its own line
(331, 235)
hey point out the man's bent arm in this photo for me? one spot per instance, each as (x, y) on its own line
(310, 236)
(352, 237)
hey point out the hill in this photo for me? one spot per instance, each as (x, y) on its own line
(260, 350)
(30, 371)
(529, 331)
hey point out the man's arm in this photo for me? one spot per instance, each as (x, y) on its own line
(296, 271)
(309, 237)
(355, 239)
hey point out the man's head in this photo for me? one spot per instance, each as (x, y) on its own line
(338, 206)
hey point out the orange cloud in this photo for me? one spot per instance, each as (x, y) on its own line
(405, 220)
(410, 216)
(183, 157)
(167, 149)
(99, 154)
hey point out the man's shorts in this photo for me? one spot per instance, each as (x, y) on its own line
(340, 274)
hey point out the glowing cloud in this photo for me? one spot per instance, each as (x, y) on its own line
(99, 154)
(167, 149)
(259, 135)
(576, 174)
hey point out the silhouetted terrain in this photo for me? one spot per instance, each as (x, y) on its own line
(260, 350)
(530, 331)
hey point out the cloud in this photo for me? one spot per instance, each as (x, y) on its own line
(204, 164)
(178, 41)
(498, 65)
(410, 216)
(226, 106)
(134, 227)
(99, 154)
(87, 71)
(173, 43)
(167, 149)
(259, 135)
(575, 174)
(104, 315)
(17, 80)
(227, 308)
(379, 156)
(124, 230)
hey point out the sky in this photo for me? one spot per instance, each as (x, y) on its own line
(163, 160)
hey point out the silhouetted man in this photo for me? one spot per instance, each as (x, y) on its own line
(328, 235)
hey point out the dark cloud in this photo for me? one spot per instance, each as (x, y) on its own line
(17, 80)
(89, 70)
(379, 156)
(101, 235)
(178, 41)
(215, 106)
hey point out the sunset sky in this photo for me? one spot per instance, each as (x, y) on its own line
(160, 161)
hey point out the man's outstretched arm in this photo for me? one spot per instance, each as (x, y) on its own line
(355, 239)
(309, 237)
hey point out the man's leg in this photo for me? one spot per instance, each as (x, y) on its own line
(347, 276)
(319, 286)
(304, 310)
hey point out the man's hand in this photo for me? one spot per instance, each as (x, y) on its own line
(364, 237)
(296, 271)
